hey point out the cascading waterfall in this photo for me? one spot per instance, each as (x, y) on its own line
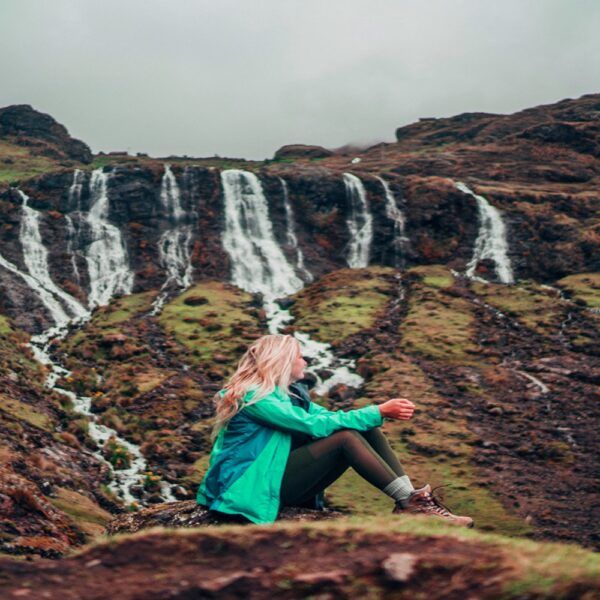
(360, 222)
(259, 265)
(52, 305)
(35, 257)
(174, 243)
(106, 256)
(291, 237)
(491, 242)
(72, 237)
(401, 241)
(122, 479)
(75, 191)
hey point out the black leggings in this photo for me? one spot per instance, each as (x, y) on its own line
(314, 466)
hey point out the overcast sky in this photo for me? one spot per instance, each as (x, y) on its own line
(243, 77)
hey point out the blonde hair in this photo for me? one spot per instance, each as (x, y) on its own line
(266, 364)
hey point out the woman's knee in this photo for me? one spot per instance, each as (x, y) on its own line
(345, 435)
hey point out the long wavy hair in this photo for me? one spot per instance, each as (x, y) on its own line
(266, 364)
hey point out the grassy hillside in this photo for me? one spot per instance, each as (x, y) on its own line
(370, 558)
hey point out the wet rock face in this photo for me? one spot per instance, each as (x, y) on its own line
(547, 238)
(30, 126)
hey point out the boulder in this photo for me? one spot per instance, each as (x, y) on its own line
(302, 151)
(189, 514)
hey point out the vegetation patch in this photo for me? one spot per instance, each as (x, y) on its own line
(25, 412)
(438, 325)
(343, 303)
(214, 321)
(534, 306)
(584, 287)
(85, 513)
(18, 163)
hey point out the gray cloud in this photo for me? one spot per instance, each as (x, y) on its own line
(243, 77)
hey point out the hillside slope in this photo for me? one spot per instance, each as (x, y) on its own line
(369, 559)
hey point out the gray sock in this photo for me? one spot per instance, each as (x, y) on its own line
(399, 489)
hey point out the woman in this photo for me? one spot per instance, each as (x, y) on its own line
(273, 447)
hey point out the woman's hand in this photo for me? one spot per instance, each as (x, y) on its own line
(397, 408)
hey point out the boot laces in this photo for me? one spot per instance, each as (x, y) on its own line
(433, 503)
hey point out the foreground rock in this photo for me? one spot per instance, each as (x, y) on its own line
(334, 559)
(189, 514)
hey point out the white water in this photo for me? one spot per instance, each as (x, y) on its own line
(401, 241)
(360, 222)
(54, 307)
(292, 239)
(122, 479)
(491, 242)
(74, 200)
(35, 257)
(106, 256)
(544, 389)
(174, 244)
(72, 236)
(259, 265)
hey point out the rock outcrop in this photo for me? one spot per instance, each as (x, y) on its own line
(301, 151)
(42, 133)
(189, 514)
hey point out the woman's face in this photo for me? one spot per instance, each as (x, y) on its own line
(298, 367)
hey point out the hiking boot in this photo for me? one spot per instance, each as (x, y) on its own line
(423, 502)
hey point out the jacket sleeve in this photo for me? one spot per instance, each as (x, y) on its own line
(278, 414)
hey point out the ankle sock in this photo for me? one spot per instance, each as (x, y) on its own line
(399, 489)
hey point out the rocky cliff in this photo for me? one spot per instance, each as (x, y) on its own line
(457, 267)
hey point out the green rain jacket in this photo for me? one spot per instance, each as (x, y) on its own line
(249, 455)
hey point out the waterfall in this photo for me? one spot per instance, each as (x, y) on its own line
(72, 236)
(360, 222)
(401, 241)
(123, 479)
(259, 265)
(292, 240)
(76, 188)
(35, 256)
(258, 262)
(54, 307)
(74, 200)
(174, 243)
(106, 255)
(491, 242)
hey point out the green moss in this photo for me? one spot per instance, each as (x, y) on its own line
(435, 275)
(18, 163)
(87, 515)
(25, 412)
(438, 326)
(212, 318)
(528, 302)
(123, 309)
(343, 303)
(584, 286)
(5, 327)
